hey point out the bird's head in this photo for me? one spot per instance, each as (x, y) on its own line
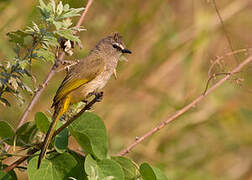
(112, 46)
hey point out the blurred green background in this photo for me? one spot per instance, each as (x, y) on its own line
(173, 43)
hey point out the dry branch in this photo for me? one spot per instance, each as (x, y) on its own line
(186, 108)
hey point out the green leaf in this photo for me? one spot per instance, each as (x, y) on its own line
(104, 168)
(89, 163)
(151, 173)
(59, 8)
(6, 132)
(53, 5)
(61, 141)
(90, 132)
(67, 23)
(110, 168)
(129, 168)
(59, 167)
(42, 4)
(57, 24)
(71, 12)
(51, 40)
(25, 134)
(78, 171)
(17, 37)
(68, 34)
(159, 174)
(10, 175)
(66, 7)
(5, 176)
(42, 122)
(45, 54)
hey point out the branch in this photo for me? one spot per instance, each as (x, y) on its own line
(224, 28)
(97, 98)
(185, 109)
(50, 74)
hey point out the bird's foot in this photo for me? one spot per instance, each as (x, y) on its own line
(99, 96)
(85, 101)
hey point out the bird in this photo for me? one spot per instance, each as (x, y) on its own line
(84, 79)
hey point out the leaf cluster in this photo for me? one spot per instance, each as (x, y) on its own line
(40, 41)
(93, 163)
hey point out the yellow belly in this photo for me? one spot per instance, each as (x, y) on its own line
(95, 85)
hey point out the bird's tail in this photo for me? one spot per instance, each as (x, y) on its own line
(59, 111)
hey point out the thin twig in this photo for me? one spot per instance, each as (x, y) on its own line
(224, 29)
(19, 161)
(50, 74)
(87, 107)
(185, 109)
(214, 76)
(219, 58)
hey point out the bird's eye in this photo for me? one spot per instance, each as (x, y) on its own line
(117, 46)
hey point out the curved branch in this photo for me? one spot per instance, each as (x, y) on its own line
(185, 109)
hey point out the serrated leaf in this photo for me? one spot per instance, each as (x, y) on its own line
(67, 23)
(71, 13)
(45, 54)
(53, 5)
(42, 122)
(59, 8)
(42, 4)
(149, 172)
(129, 168)
(66, 7)
(68, 34)
(17, 37)
(35, 27)
(6, 132)
(90, 132)
(58, 25)
(58, 167)
(61, 141)
(51, 41)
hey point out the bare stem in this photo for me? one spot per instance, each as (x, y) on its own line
(186, 108)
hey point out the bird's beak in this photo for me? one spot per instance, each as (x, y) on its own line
(125, 50)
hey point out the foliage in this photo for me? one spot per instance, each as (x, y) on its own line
(89, 131)
(37, 42)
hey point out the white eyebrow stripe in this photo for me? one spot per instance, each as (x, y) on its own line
(119, 45)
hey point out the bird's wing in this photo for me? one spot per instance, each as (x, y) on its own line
(82, 73)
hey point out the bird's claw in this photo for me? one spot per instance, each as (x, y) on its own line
(99, 96)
